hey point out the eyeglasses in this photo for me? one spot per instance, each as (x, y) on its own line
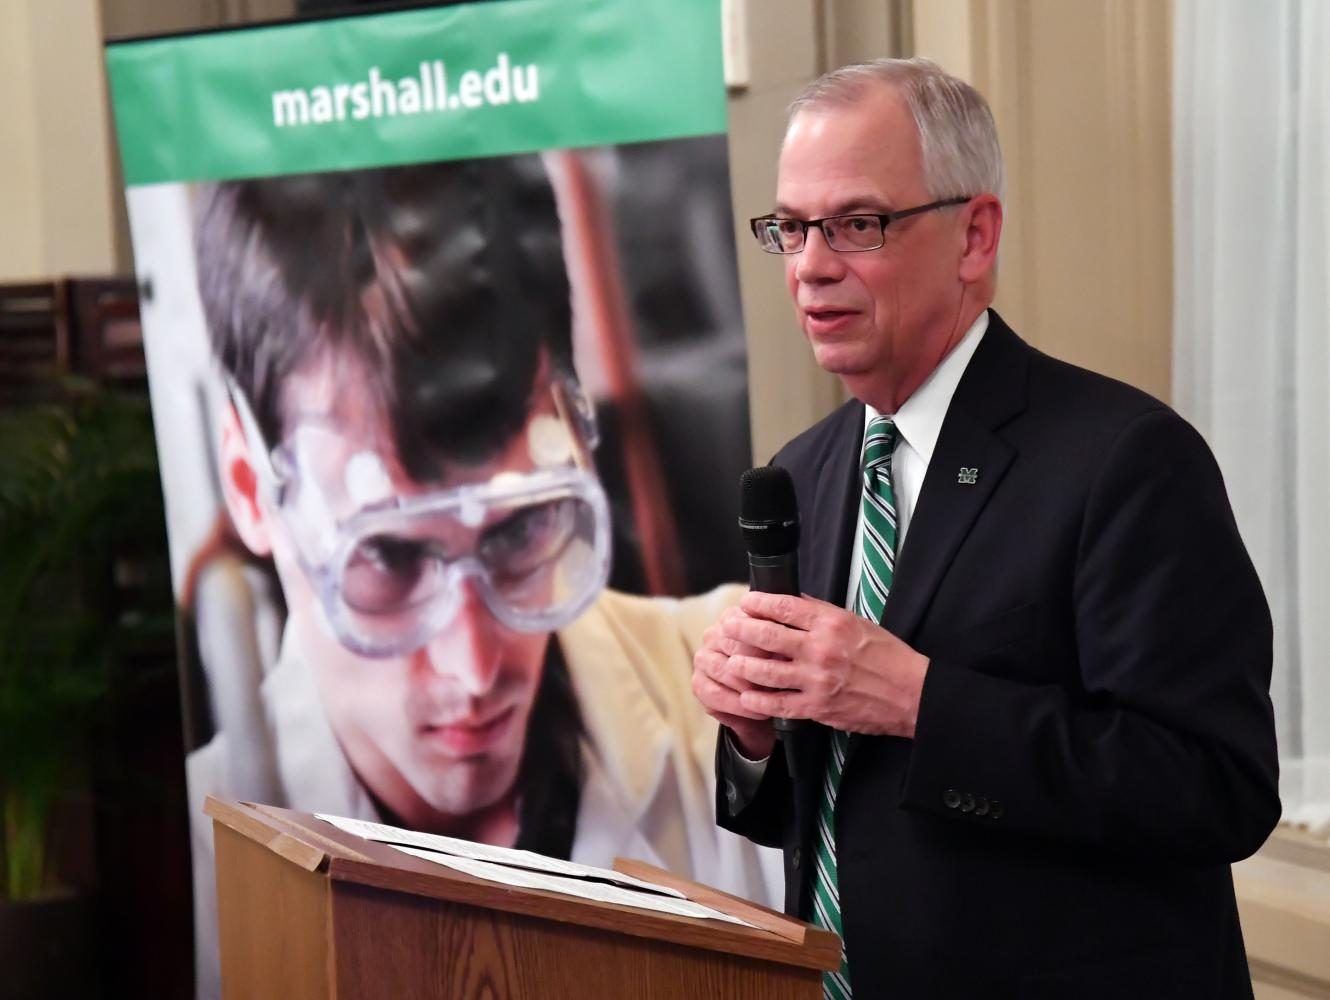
(843, 233)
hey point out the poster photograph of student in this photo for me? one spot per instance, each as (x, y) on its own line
(448, 375)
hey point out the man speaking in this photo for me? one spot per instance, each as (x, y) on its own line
(1033, 652)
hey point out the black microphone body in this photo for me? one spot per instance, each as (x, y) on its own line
(778, 574)
(769, 521)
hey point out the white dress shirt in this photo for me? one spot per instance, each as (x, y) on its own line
(919, 422)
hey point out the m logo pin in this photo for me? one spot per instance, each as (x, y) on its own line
(967, 477)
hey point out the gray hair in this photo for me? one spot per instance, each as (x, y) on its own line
(961, 155)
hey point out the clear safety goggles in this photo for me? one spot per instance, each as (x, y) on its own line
(390, 570)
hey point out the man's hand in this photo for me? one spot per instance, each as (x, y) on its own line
(719, 686)
(834, 667)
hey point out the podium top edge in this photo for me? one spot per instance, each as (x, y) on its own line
(313, 845)
(281, 831)
(244, 820)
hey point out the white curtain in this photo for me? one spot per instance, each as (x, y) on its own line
(1251, 364)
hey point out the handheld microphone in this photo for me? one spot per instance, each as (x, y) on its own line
(769, 522)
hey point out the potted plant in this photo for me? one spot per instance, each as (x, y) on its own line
(79, 488)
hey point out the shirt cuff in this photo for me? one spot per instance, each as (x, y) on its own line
(744, 773)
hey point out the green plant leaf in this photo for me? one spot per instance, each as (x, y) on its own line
(79, 485)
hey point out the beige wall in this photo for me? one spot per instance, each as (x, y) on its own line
(21, 247)
(60, 193)
(55, 185)
(1081, 90)
(787, 392)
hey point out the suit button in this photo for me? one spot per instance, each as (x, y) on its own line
(951, 798)
(981, 806)
(796, 857)
(996, 809)
(967, 803)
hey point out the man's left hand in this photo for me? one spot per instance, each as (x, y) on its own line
(831, 666)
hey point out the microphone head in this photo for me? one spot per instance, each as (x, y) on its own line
(768, 511)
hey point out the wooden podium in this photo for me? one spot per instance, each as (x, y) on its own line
(306, 911)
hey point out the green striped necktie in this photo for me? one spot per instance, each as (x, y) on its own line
(879, 561)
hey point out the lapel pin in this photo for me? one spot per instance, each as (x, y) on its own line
(967, 477)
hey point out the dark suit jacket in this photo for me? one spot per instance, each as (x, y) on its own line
(1095, 742)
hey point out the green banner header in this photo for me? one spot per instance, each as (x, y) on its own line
(434, 84)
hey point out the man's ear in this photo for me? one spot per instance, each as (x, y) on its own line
(240, 487)
(983, 230)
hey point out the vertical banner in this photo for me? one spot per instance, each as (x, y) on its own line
(447, 367)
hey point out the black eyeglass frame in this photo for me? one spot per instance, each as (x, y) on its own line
(884, 219)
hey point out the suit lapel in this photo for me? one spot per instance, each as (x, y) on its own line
(991, 392)
(825, 560)
(947, 507)
(967, 465)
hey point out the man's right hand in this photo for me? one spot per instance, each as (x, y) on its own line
(717, 687)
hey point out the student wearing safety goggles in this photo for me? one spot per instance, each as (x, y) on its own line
(406, 439)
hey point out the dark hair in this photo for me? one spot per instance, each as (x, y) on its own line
(445, 282)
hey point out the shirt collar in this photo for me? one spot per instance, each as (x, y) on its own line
(919, 420)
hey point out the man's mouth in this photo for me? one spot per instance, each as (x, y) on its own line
(470, 736)
(827, 319)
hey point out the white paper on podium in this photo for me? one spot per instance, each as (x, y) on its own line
(506, 856)
(528, 879)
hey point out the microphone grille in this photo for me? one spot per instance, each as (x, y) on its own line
(768, 510)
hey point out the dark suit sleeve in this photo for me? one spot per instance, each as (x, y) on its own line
(763, 817)
(1165, 745)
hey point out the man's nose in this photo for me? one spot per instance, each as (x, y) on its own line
(817, 261)
(468, 652)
